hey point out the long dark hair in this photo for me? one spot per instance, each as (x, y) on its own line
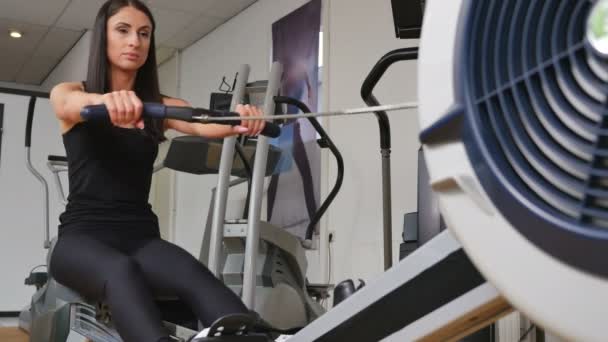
(146, 82)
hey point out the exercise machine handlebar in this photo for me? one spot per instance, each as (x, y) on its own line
(371, 81)
(326, 141)
(28, 140)
(385, 139)
(202, 115)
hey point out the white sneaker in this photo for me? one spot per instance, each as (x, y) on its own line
(202, 333)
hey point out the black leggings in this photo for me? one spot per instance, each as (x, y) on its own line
(126, 269)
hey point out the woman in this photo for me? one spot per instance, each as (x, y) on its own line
(109, 244)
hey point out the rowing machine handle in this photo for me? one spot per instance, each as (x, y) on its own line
(160, 111)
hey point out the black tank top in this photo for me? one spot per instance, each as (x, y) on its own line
(109, 172)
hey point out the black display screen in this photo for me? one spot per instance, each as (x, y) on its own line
(407, 15)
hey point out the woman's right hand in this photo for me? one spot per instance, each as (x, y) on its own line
(124, 108)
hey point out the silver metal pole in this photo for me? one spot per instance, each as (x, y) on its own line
(55, 168)
(203, 255)
(219, 209)
(45, 187)
(257, 188)
(387, 208)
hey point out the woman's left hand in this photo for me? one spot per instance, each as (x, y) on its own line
(254, 126)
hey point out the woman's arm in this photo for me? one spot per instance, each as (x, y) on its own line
(214, 130)
(68, 99)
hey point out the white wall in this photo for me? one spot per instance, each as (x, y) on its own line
(360, 32)
(168, 76)
(21, 199)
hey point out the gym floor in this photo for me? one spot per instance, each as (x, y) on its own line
(9, 331)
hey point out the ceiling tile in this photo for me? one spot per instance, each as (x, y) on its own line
(80, 14)
(193, 32)
(31, 34)
(190, 6)
(36, 70)
(169, 22)
(228, 9)
(15, 52)
(58, 42)
(9, 68)
(32, 11)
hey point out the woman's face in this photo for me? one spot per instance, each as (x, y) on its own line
(129, 32)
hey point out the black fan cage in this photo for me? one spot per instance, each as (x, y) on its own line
(536, 121)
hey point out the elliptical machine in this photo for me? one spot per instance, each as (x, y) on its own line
(282, 295)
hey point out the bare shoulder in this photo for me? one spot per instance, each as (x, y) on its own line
(173, 101)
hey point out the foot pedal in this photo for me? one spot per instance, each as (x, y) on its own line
(231, 325)
(233, 328)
